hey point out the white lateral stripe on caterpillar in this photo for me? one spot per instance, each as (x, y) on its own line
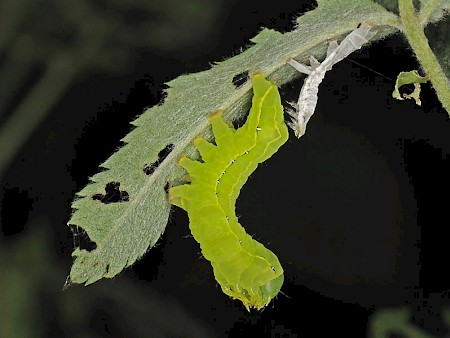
(307, 100)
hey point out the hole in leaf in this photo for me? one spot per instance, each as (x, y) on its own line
(113, 194)
(81, 238)
(107, 268)
(240, 79)
(238, 123)
(150, 168)
(166, 187)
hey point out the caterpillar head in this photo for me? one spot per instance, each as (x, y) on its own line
(257, 298)
(260, 282)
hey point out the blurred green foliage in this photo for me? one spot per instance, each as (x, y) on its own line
(45, 46)
(34, 304)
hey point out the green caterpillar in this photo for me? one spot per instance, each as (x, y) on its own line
(244, 268)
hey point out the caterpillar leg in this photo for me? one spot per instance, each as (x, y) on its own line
(223, 133)
(178, 194)
(205, 148)
(191, 166)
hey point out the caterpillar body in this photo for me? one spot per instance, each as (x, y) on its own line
(307, 100)
(243, 267)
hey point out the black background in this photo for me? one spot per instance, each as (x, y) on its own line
(355, 210)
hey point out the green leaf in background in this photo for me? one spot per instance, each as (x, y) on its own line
(405, 78)
(388, 322)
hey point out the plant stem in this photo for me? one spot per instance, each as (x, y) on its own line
(413, 31)
(426, 10)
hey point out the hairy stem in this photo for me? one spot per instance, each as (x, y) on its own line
(413, 31)
(426, 10)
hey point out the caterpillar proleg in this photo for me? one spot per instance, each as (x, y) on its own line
(307, 100)
(243, 267)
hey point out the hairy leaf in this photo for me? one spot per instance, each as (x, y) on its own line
(124, 209)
